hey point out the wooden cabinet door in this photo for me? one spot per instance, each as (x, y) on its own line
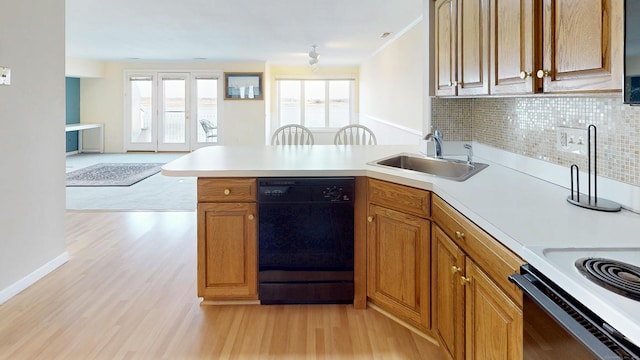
(462, 47)
(448, 293)
(582, 42)
(493, 322)
(473, 47)
(399, 264)
(227, 251)
(446, 47)
(512, 47)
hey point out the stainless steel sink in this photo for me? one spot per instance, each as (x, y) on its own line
(451, 169)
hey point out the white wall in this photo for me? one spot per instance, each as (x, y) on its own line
(391, 89)
(32, 117)
(389, 95)
(78, 68)
(102, 101)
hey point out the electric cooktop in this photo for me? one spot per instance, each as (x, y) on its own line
(606, 280)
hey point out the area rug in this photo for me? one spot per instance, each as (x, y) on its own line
(113, 174)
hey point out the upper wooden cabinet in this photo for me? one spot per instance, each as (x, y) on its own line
(512, 47)
(555, 46)
(582, 45)
(528, 46)
(445, 45)
(462, 47)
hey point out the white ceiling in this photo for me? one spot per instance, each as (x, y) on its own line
(279, 32)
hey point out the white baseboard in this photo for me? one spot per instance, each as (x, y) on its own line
(17, 287)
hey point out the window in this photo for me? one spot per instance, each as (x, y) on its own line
(289, 101)
(316, 104)
(207, 109)
(141, 108)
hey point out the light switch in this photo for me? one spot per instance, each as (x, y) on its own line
(5, 76)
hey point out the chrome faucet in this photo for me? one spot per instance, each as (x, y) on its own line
(437, 140)
(469, 154)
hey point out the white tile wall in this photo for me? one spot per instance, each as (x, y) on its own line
(527, 126)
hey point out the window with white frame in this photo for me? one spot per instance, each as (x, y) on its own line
(316, 104)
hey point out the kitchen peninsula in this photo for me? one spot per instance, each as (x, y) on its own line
(526, 215)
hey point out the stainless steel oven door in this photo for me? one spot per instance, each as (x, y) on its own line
(556, 326)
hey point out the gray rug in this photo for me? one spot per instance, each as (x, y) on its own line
(113, 174)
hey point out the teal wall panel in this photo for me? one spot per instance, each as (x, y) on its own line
(73, 111)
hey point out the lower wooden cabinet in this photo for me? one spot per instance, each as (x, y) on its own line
(493, 322)
(227, 240)
(478, 313)
(447, 278)
(399, 256)
(449, 263)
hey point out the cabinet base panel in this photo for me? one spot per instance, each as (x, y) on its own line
(206, 302)
(419, 332)
(306, 293)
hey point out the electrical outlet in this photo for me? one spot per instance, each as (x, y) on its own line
(572, 140)
(5, 76)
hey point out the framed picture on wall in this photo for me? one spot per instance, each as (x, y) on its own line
(243, 86)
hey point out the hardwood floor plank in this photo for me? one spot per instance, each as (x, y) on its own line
(129, 292)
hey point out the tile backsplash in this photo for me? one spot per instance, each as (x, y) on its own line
(527, 126)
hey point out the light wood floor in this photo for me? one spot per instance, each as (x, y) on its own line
(129, 292)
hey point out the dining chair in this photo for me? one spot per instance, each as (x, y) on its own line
(292, 135)
(210, 129)
(355, 135)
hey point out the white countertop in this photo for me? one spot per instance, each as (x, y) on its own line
(523, 212)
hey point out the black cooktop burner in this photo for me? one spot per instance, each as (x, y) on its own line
(617, 276)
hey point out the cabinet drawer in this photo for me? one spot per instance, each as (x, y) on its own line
(493, 257)
(226, 190)
(399, 197)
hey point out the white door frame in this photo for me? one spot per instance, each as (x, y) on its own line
(160, 126)
(191, 111)
(129, 144)
(195, 123)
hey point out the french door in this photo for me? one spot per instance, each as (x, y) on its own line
(175, 111)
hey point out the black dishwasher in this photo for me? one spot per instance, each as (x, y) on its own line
(305, 240)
